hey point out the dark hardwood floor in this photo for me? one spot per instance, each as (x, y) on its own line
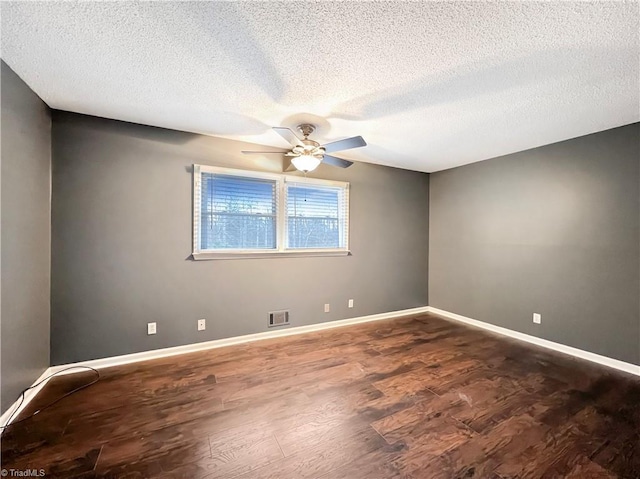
(407, 398)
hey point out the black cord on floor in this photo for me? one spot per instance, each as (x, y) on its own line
(22, 394)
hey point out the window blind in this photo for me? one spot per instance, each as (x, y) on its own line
(317, 216)
(237, 213)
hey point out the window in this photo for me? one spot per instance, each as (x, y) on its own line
(316, 216)
(239, 214)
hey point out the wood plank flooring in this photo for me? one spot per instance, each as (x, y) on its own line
(414, 398)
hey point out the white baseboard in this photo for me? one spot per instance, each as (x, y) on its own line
(571, 351)
(190, 348)
(16, 408)
(219, 343)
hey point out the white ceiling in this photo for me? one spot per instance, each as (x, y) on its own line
(430, 85)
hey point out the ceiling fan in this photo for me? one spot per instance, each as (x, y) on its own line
(307, 154)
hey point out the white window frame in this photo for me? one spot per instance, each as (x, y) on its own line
(281, 216)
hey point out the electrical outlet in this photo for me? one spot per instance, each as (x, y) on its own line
(327, 308)
(202, 324)
(151, 328)
(537, 318)
(351, 303)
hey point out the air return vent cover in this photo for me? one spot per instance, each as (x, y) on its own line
(278, 318)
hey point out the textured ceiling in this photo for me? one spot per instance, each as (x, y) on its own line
(430, 85)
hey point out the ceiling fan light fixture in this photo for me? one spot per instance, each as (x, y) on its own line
(306, 163)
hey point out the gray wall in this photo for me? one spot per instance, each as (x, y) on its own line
(554, 230)
(122, 222)
(26, 235)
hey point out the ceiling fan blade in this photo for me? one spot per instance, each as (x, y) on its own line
(287, 165)
(264, 152)
(346, 144)
(335, 161)
(288, 135)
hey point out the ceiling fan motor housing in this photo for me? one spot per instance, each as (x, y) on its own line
(307, 146)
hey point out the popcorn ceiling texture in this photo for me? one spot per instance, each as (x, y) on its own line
(430, 85)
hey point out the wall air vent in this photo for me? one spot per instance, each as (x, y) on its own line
(278, 318)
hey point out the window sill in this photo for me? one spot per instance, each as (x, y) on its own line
(209, 255)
